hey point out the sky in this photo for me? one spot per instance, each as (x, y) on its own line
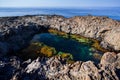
(59, 3)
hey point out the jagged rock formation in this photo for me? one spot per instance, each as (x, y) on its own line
(16, 32)
(55, 68)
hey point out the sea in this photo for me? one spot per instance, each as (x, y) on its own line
(111, 12)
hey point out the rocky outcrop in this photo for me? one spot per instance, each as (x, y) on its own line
(56, 68)
(17, 31)
(112, 37)
(9, 67)
(110, 65)
(101, 28)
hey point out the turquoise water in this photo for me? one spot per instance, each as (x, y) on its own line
(80, 51)
(112, 12)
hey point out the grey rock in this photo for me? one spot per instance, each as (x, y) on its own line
(102, 28)
(16, 33)
(32, 67)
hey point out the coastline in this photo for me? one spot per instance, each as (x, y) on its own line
(16, 33)
(99, 28)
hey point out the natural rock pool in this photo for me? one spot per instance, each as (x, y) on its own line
(80, 51)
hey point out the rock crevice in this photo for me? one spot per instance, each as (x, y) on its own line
(16, 32)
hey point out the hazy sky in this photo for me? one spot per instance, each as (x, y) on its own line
(59, 3)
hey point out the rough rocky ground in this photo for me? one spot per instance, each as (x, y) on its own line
(55, 68)
(16, 32)
(19, 29)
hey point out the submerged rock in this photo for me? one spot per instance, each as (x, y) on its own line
(16, 33)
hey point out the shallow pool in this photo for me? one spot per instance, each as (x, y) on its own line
(80, 51)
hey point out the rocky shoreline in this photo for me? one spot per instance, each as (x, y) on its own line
(16, 33)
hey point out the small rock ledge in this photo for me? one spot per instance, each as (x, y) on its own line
(55, 68)
(16, 32)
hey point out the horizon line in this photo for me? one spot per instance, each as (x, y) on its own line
(62, 7)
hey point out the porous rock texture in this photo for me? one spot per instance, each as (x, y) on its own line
(55, 68)
(16, 33)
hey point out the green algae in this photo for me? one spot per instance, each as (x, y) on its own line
(68, 46)
(94, 43)
(65, 47)
(36, 49)
(65, 55)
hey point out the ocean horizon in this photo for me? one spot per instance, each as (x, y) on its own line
(111, 12)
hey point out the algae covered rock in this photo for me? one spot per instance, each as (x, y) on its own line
(16, 32)
(48, 51)
(38, 49)
(65, 55)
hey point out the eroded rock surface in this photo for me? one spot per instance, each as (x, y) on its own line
(55, 68)
(16, 32)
